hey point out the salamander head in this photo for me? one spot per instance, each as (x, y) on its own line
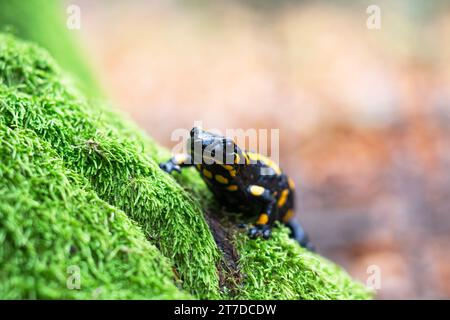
(210, 148)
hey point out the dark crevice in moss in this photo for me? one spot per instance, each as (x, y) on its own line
(228, 268)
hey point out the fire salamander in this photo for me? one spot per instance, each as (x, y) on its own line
(242, 181)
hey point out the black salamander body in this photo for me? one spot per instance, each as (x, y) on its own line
(242, 181)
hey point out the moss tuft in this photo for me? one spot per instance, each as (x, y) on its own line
(281, 269)
(51, 221)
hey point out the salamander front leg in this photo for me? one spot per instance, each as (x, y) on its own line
(263, 226)
(176, 163)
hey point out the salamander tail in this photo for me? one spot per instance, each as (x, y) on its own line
(299, 234)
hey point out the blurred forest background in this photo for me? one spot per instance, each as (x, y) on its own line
(363, 114)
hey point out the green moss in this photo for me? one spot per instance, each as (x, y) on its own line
(103, 165)
(281, 269)
(44, 22)
(51, 220)
(114, 159)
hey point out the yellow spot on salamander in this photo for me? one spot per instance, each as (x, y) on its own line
(289, 214)
(291, 183)
(227, 167)
(264, 160)
(273, 165)
(237, 159)
(221, 179)
(232, 187)
(230, 169)
(263, 218)
(283, 197)
(207, 173)
(247, 160)
(199, 167)
(253, 156)
(257, 190)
